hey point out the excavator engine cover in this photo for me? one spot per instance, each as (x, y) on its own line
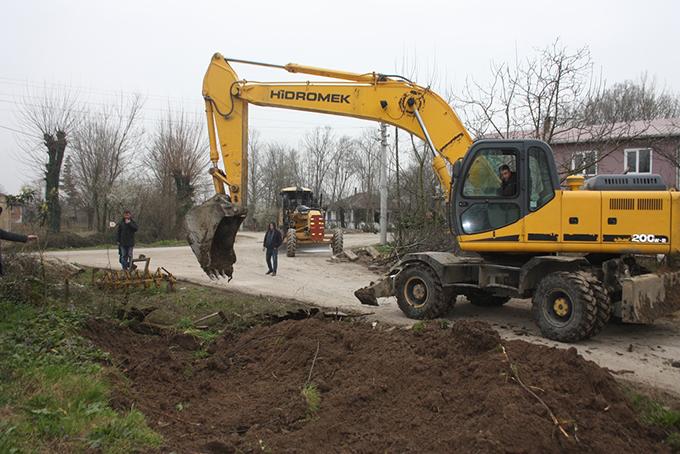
(211, 232)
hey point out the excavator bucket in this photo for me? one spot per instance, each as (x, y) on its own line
(212, 229)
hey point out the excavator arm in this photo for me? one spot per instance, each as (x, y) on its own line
(394, 100)
(371, 96)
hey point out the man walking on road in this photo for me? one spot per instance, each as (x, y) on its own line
(271, 243)
(9, 236)
(125, 237)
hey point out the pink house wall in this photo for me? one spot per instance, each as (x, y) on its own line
(664, 157)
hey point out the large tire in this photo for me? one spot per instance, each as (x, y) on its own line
(291, 243)
(486, 300)
(565, 306)
(420, 294)
(337, 242)
(604, 305)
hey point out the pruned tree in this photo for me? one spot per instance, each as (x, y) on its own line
(51, 117)
(178, 158)
(101, 148)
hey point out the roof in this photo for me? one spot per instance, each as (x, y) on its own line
(295, 189)
(640, 129)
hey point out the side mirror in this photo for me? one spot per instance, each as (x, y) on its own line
(456, 168)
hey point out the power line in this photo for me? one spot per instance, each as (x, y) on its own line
(20, 132)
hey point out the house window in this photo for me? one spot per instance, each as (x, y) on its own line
(638, 160)
(584, 163)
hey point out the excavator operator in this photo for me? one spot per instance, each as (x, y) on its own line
(508, 182)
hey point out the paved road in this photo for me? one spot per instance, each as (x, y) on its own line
(311, 277)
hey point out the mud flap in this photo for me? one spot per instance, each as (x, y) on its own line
(211, 232)
(650, 296)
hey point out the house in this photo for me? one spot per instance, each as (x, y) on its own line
(635, 147)
(11, 216)
(359, 211)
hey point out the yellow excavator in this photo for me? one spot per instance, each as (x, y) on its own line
(576, 251)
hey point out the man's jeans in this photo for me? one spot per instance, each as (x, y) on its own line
(272, 259)
(125, 255)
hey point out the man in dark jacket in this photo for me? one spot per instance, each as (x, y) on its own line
(271, 243)
(9, 236)
(508, 182)
(125, 236)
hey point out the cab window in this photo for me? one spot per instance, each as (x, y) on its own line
(493, 173)
(541, 189)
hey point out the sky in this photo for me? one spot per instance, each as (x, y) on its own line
(161, 49)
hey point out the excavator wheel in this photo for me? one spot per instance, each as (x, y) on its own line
(291, 243)
(337, 242)
(604, 305)
(565, 306)
(420, 294)
(486, 300)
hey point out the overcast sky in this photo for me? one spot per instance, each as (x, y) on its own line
(161, 49)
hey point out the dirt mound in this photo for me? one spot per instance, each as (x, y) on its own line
(430, 390)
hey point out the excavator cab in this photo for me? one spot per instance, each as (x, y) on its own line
(500, 184)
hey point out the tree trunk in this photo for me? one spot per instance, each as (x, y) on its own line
(55, 151)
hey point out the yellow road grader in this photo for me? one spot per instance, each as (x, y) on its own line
(304, 221)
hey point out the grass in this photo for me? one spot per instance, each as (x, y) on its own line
(656, 414)
(55, 386)
(418, 327)
(313, 399)
(384, 249)
(54, 394)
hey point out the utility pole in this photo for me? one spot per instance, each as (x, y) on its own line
(383, 183)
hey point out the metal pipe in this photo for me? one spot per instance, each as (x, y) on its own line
(427, 134)
(256, 63)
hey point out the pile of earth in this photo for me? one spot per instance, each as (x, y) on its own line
(428, 389)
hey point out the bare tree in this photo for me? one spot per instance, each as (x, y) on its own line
(177, 158)
(255, 154)
(319, 151)
(280, 168)
(631, 101)
(555, 96)
(534, 97)
(101, 152)
(341, 169)
(366, 165)
(52, 116)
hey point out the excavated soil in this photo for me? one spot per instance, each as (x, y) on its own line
(434, 389)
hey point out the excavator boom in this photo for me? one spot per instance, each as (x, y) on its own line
(371, 96)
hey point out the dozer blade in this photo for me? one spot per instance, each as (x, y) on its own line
(650, 296)
(212, 228)
(383, 288)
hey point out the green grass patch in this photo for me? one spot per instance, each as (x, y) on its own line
(418, 327)
(312, 397)
(54, 395)
(655, 414)
(384, 249)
